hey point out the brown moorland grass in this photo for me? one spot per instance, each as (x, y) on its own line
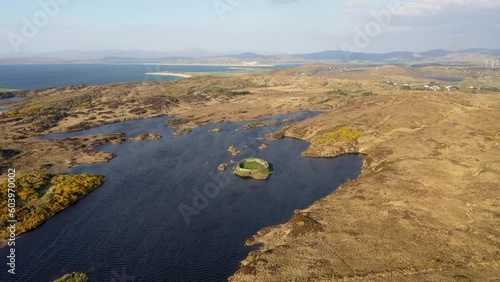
(425, 207)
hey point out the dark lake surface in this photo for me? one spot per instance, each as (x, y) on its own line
(131, 228)
(447, 78)
(44, 76)
(7, 100)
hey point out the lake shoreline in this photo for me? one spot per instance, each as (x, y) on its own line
(281, 151)
(415, 162)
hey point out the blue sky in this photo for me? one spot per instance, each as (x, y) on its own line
(265, 26)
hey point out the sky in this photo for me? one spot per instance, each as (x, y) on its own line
(262, 26)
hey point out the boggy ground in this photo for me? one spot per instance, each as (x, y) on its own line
(425, 207)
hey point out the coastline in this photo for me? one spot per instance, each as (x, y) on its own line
(211, 65)
(170, 74)
(415, 164)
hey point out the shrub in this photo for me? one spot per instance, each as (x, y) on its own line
(42, 195)
(239, 92)
(495, 89)
(74, 277)
(31, 110)
(338, 92)
(343, 134)
(436, 263)
(302, 223)
(183, 131)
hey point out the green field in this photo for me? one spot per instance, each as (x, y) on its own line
(252, 165)
(6, 89)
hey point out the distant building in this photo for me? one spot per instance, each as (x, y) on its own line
(435, 88)
(451, 88)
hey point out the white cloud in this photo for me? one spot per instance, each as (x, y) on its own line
(395, 28)
(277, 1)
(430, 7)
(352, 4)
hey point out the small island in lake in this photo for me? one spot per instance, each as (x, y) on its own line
(73, 277)
(253, 167)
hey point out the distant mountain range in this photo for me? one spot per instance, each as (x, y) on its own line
(205, 56)
(248, 56)
(337, 55)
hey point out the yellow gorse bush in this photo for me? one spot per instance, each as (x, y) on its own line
(41, 195)
(31, 110)
(343, 134)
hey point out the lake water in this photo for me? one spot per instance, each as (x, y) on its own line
(447, 78)
(132, 228)
(6, 100)
(44, 76)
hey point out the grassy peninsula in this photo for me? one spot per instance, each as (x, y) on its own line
(41, 195)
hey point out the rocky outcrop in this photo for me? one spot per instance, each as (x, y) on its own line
(215, 130)
(146, 136)
(233, 150)
(183, 131)
(275, 135)
(265, 123)
(222, 167)
(6, 95)
(74, 277)
(315, 151)
(8, 153)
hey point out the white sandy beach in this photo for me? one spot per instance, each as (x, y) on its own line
(210, 65)
(170, 74)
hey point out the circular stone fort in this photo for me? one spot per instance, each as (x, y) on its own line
(253, 167)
